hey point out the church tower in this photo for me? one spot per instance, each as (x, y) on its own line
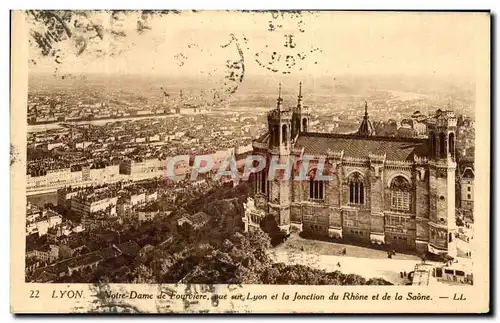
(442, 167)
(301, 116)
(366, 128)
(280, 142)
(279, 123)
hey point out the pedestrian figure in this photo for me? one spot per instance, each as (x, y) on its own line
(344, 251)
(338, 264)
(302, 248)
(404, 273)
(401, 274)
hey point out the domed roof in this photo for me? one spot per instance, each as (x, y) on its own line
(366, 128)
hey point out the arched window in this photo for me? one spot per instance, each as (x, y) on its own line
(356, 189)
(400, 194)
(284, 134)
(304, 125)
(442, 145)
(433, 144)
(451, 144)
(316, 187)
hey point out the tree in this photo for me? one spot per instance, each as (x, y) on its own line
(298, 274)
(143, 275)
(377, 281)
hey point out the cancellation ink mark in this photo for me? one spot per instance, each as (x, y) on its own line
(64, 35)
(233, 69)
(103, 304)
(291, 56)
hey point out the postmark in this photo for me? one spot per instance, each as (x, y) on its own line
(291, 48)
(224, 62)
(63, 36)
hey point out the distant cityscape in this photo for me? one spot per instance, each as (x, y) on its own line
(100, 207)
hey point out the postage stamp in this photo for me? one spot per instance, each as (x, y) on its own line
(172, 161)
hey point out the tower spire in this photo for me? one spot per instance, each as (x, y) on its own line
(299, 101)
(366, 128)
(280, 100)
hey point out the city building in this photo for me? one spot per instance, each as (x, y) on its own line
(39, 221)
(45, 253)
(64, 196)
(388, 190)
(54, 179)
(100, 220)
(142, 169)
(50, 179)
(467, 191)
(451, 274)
(85, 204)
(145, 215)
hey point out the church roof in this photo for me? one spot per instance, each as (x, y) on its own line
(398, 149)
(356, 146)
(366, 128)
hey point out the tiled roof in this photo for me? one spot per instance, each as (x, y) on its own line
(359, 147)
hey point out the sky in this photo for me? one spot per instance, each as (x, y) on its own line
(202, 44)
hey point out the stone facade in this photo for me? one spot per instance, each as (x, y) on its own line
(384, 190)
(467, 191)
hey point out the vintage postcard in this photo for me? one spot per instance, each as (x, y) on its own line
(170, 161)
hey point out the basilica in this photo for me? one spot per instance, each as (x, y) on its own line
(384, 190)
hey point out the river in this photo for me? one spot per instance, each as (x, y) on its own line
(45, 127)
(41, 199)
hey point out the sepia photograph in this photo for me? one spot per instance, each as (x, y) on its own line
(161, 154)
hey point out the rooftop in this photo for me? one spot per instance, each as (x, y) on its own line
(400, 149)
(366, 128)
